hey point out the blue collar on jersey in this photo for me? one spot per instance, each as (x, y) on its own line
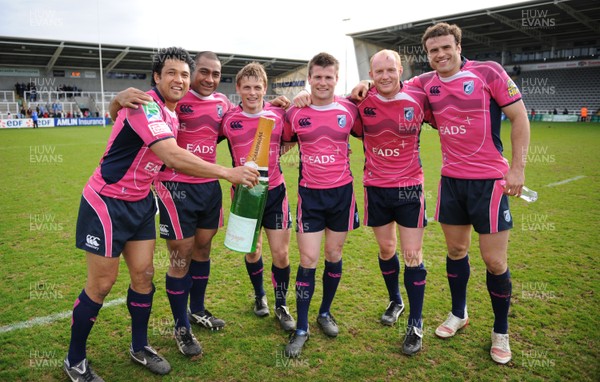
(158, 94)
(463, 61)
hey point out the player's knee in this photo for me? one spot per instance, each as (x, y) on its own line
(253, 257)
(142, 279)
(412, 256)
(100, 288)
(280, 258)
(457, 251)
(496, 266)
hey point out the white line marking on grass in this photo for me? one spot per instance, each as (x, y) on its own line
(51, 318)
(565, 181)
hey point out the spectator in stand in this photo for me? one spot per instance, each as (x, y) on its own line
(584, 114)
(565, 112)
(532, 114)
(555, 112)
(34, 117)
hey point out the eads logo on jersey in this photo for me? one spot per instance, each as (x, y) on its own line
(152, 112)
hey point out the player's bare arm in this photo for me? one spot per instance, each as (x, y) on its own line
(130, 98)
(183, 161)
(519, 136)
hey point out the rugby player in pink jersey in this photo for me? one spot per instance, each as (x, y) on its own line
(117, 211)
(392, 115)
(467, 99)
(239, 127)
(326, 202)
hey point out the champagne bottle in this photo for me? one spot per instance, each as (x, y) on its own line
(248, 205)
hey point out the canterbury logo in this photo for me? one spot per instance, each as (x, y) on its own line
(92, 241)
(369, 111)
(236, 125)
(303, 122)
(186, 109)
(434, 90)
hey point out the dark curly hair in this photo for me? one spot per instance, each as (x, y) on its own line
(172, 53)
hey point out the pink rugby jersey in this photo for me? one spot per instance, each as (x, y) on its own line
(391, 130)
(128, 165)
(467, 111)
(200, 119)
(322, 133)
(240, 127)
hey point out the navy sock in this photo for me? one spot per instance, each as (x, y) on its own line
(332, 274)
(255, 271)
(281, 282)
(200, 271)
(305, 288)
(500, 289)
(414, 282)
(390, 270)
(140, 306)
(458, 278)
(178, 290)
(85, 312)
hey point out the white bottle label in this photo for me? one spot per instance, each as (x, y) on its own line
(240, 233)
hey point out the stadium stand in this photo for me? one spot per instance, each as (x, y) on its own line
(546, 90)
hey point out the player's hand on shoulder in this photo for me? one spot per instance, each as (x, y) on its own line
(282, 102)
(131, 98)
(359, 92)
(302, 99)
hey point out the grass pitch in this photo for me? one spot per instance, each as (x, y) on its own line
(552, 256)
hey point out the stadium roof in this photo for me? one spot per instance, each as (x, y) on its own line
(528, 26)
(56, 54)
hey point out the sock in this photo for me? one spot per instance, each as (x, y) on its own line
(414, 282)
(255, 271)
(281, 281)
(390, 269)
(332, 274)
(458, 278)
(140, 306)
(500, 289)
(199, 270)
(305, 288)
(85, 312)
(178, 290)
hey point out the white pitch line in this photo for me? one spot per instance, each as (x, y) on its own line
(565, 181)
(51, 318)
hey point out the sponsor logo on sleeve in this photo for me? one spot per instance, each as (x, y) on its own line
(513, 90)
(152, 112)
(159, 128)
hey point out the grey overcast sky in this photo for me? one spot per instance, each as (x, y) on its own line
(284, 28)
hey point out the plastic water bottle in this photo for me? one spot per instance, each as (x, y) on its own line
(248, 205)
(528, 195)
